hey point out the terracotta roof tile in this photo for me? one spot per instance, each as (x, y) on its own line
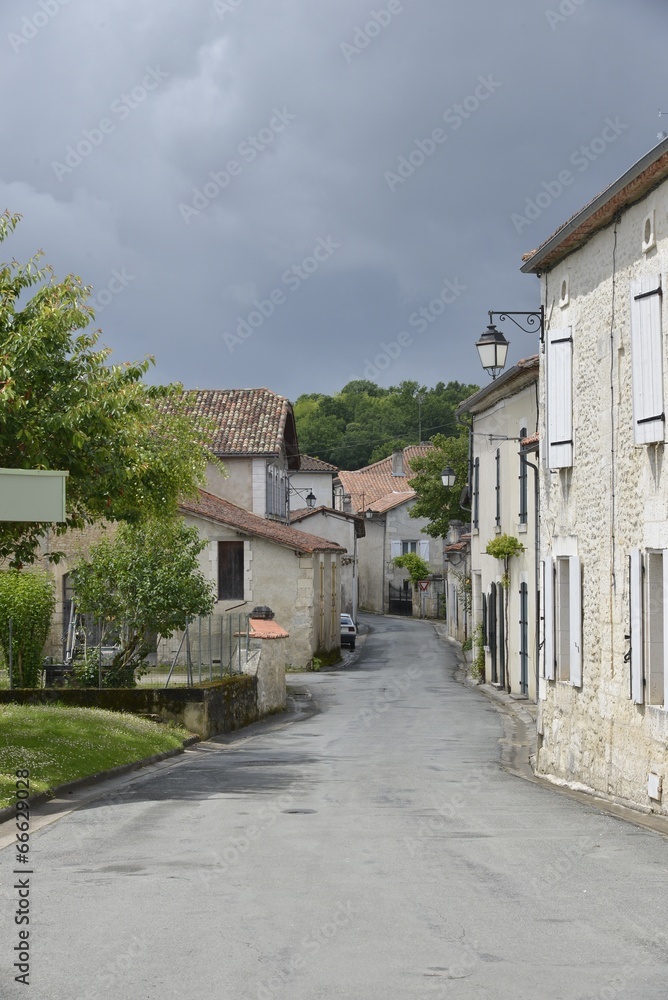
(224, 512)
(375, 482)
(304, 512)
(531, 439)
(247, 421)
(262, 629)
(309, 464)
(390, 501)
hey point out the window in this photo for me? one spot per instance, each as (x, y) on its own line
(497, 519)
(407, 547)
(476, 492)
(524, 476)
(559, 401)
(562, 619)
(649, 419)
(648, 591)
(421, 548)
(230, 571)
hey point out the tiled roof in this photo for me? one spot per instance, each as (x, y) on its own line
(261, 629)
(531, 439)
(304, 512)
(511, 381)
(601, 211)
(246, 421)
(224, 512)
(375, 482)
(390, 501)
(309, 464)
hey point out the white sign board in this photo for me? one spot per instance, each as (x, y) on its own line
(32, 495)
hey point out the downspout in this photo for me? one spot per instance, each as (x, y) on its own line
(536, 568)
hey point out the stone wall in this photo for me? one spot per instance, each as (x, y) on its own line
(612, 500)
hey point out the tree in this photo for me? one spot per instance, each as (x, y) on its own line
(129, 448)
(26, 605)
(438, 503)
(417, 568)
(146, 581)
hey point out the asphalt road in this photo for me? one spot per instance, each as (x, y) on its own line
(374, 850)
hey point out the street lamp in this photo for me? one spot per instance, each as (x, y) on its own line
(448, 477)
(310, 500)
(493, 346)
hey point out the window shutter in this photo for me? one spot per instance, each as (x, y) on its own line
(637, 657)
(575, 620)
(395, 549)
(423, 549)
(560, 398)
(476, 492)
(548, 617)
(649, 421)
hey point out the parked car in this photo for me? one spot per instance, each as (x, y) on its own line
(348, 631)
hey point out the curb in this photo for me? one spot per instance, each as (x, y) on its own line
(96, 779)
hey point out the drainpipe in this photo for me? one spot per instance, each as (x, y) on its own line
(536, 567)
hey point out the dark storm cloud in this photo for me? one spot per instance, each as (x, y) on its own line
(191, 161)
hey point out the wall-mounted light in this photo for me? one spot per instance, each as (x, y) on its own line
(492, 345)
(310, 500)
(448, 476)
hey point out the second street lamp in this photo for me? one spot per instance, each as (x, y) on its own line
(493, 346)
(448, 476)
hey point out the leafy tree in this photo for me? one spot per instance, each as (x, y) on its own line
(129, 448)
(364, 422)
(27, 601)
(146, 580)
(417, 568)
(435, 501)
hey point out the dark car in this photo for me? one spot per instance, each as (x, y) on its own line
(348, 631)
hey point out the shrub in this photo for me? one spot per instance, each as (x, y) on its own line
(27, 600)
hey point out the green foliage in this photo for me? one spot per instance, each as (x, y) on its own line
(364, 423)
(417, 568)
(129, 448)
(438, 503)
(504, 547)
(148, 579)
(27, 600)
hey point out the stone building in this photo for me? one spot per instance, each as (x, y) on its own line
(603, 698)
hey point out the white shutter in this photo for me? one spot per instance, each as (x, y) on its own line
(395, 549)
(647, 360)
(575, 619)
(423, 549)
(665, 627)
(548, 617)
(559, 398)
(635, 596)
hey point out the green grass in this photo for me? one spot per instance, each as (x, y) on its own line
(58, 744)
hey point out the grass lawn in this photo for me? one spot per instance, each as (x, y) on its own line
(58, 744)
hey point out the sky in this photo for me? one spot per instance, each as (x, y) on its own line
(295, 194)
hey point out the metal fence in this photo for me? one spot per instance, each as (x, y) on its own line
(80, 652)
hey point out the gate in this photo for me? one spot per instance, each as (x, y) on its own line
(400, 600)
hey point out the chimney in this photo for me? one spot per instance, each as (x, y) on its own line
(398, 463)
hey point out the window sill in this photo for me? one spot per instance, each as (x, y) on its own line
(497, 529)
(475, 531)
(522, 529)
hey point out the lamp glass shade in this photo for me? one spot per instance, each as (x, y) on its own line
(448, 477)
(310, 500)
(492, 350)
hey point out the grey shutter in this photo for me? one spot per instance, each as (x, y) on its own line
(395, 549)
(423, 549)
(665, 627)
(636, 603)
(575, 620)
(559, 398)
(548, 617)
(649, 422)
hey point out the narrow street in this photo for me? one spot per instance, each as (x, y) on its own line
(375, 849)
